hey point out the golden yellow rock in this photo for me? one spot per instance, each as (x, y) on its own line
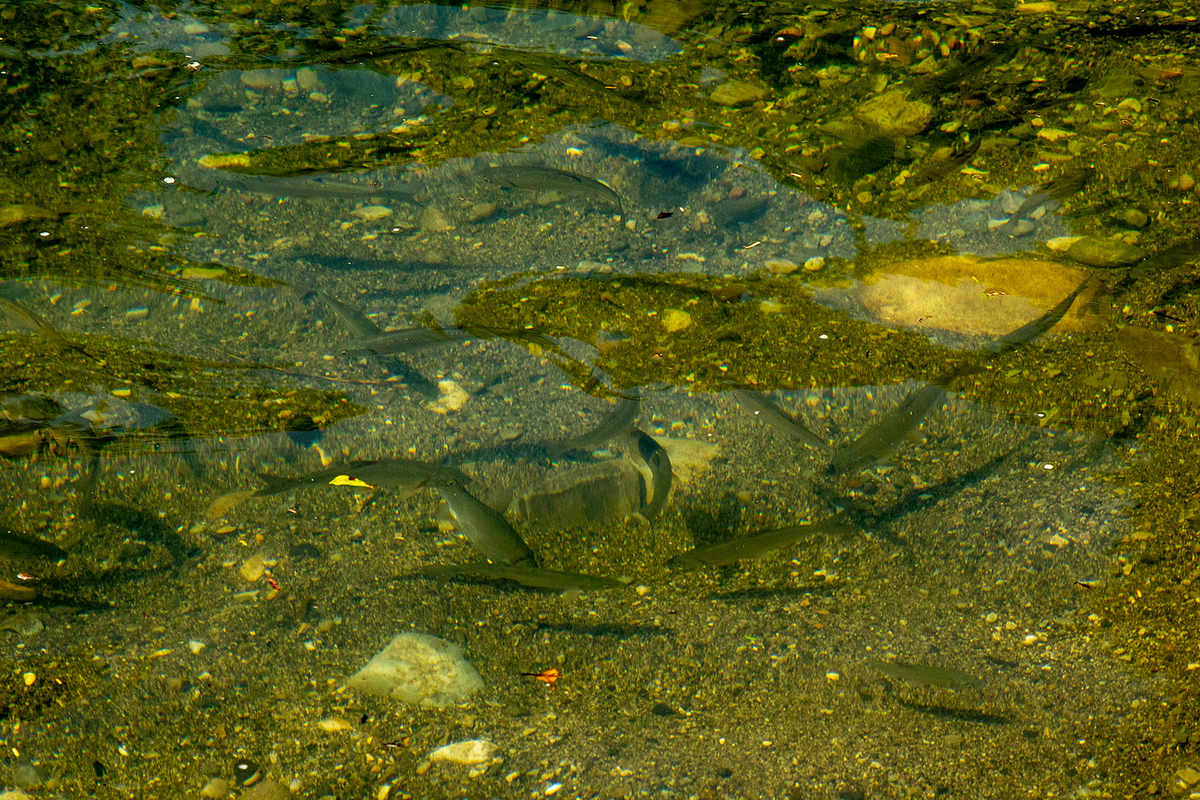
(967, 294)
(30, 678)
(453, 398)
(674, 320)
(253, 568)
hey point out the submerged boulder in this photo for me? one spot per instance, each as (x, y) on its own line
(419, 669)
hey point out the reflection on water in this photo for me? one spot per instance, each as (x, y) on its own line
(664, 399)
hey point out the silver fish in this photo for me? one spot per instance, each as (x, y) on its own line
(1060, 188)
(655, 457)
(540, 179)
(1031, 330)
(486, 528)
(757, 545)
(922, 675)
(617, 422)
(882, 437)
(761, 406)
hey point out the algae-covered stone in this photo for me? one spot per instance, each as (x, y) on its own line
(893, 115)
(737, 93)
(674, 320)
(1105, 253)
(420, 669)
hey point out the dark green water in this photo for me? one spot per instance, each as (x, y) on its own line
(215, 218)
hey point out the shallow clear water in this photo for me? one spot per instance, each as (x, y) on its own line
(600, 216)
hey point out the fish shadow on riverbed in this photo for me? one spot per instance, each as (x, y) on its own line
(948, 712)
(773, 593)
(622, 630)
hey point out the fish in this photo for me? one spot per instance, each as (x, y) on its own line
(414, 340)
(1062, 187)
(757, 545)
(758, 404)
(1177, 254)
(484, 527)
(1025, 334)
(616, 423)
(311, 186)
(361, 327)
(923, 676)
(402, 475)
(655, 457)
(945, 161)
(25, 318)
(537, 178)
(533, 577)
(882, 437)
(19, 544)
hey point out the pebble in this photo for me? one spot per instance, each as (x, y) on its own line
(781, 266)
(674, 320)
(215, 789)
(420, 669)
(481, 211)
(737, 93)
(372, 213)
(267, 790)
(137, 313)
(1105, 253)
(814, 264)
(1131, 217)
(263, 79)
(472, 751)
(253, 568)
(894, 115)
(1188, 776)
(453, 398)
(307, 80)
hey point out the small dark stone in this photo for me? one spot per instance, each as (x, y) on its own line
(724, 772)
(99, 769)
(662, 710)
(303, 550)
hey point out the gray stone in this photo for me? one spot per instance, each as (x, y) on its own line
(1105, 253)
(596, 493)
(420, 669)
